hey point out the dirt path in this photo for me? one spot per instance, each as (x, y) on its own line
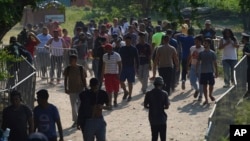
(187, 118)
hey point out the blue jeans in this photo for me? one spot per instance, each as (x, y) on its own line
(94, 127)
(228, 68)
(194, 79)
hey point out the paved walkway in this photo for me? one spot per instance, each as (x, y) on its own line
(187, 118)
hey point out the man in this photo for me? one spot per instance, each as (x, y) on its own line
(144, 51)
(46, 115)
(111, 70)
(246, 51)
(157, 101)
(130, 64)
(131, 33)
(90, 118)
(208, 32)
(166, 57)
(186, 40)
(74, 82)
(43, 54)
(208, 66)
(192, 60)
(116, 28)
(57, 45)
(17, 117)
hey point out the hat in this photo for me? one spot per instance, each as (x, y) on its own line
(108, 46)
(245, 34)
(158, 81)
(43, 94)
(37, 136)
(208, 22)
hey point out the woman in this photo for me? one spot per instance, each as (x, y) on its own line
(228, 44)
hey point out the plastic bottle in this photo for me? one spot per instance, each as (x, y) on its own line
(6, 134)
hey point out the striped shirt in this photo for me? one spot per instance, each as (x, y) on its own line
(111, 60)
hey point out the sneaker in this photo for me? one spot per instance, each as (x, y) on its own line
(183, 85)
(129, 98)
(196, 94)
(125, 95)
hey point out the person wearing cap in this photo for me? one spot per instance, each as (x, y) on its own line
(111, 70)
(229, 45)
(74, 82)
(166, 57)
(144, 51)
(18, 118)
(117, 43)
(46, 117)
(208, 32)
(90, 118)
(157, 101)
(57, 45)
(246, 51)
(130, 65)
(207, 62)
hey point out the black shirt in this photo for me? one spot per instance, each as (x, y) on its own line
(144, 52)
(156, 100)
(89, 100)
(129, 55)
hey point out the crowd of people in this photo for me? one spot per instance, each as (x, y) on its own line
(121, 51)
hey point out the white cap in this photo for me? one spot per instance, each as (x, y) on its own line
(208, 22)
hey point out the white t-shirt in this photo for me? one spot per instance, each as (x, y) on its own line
(195, 54)
(229, 51)
(111, 66)
(57, 47)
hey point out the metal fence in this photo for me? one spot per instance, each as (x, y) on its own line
(22, 78)
(223, 113)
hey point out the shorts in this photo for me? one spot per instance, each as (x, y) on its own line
(129, 74)
(207, 78)
(111, 82)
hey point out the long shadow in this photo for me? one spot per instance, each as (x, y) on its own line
(68, 131)
(180, 96)
(194, 108)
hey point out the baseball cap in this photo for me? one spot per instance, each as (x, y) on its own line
(108, 46)
(158, 81)
(208, 22)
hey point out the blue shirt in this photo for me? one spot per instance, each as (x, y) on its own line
(186, 43)
(43, 39)
(46, 119)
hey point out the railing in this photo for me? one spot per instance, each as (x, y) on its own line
(223, 113)
(23, 79)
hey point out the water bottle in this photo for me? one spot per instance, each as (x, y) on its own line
(6, 134)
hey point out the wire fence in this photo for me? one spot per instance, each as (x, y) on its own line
(22, 78)
(223, 113)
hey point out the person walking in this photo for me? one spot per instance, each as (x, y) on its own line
(130, 64)
(166, 57)
(18, 118)
(90, 119)
(111, 70)
(144, 51)
(74, 82)
(46, 115)
(228, 44)
(208, 70)
(57, 45)
(192, 60)
(157, 101)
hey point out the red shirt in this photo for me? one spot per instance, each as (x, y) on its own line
(30, 46)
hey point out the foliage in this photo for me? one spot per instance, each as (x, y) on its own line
(243, 113)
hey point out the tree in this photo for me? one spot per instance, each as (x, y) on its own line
(11, 13)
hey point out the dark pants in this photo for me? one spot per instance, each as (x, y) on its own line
(166, 74)
(160, 128)
(56, 61)
(184, 69)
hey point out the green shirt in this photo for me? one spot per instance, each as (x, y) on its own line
(156, 38)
